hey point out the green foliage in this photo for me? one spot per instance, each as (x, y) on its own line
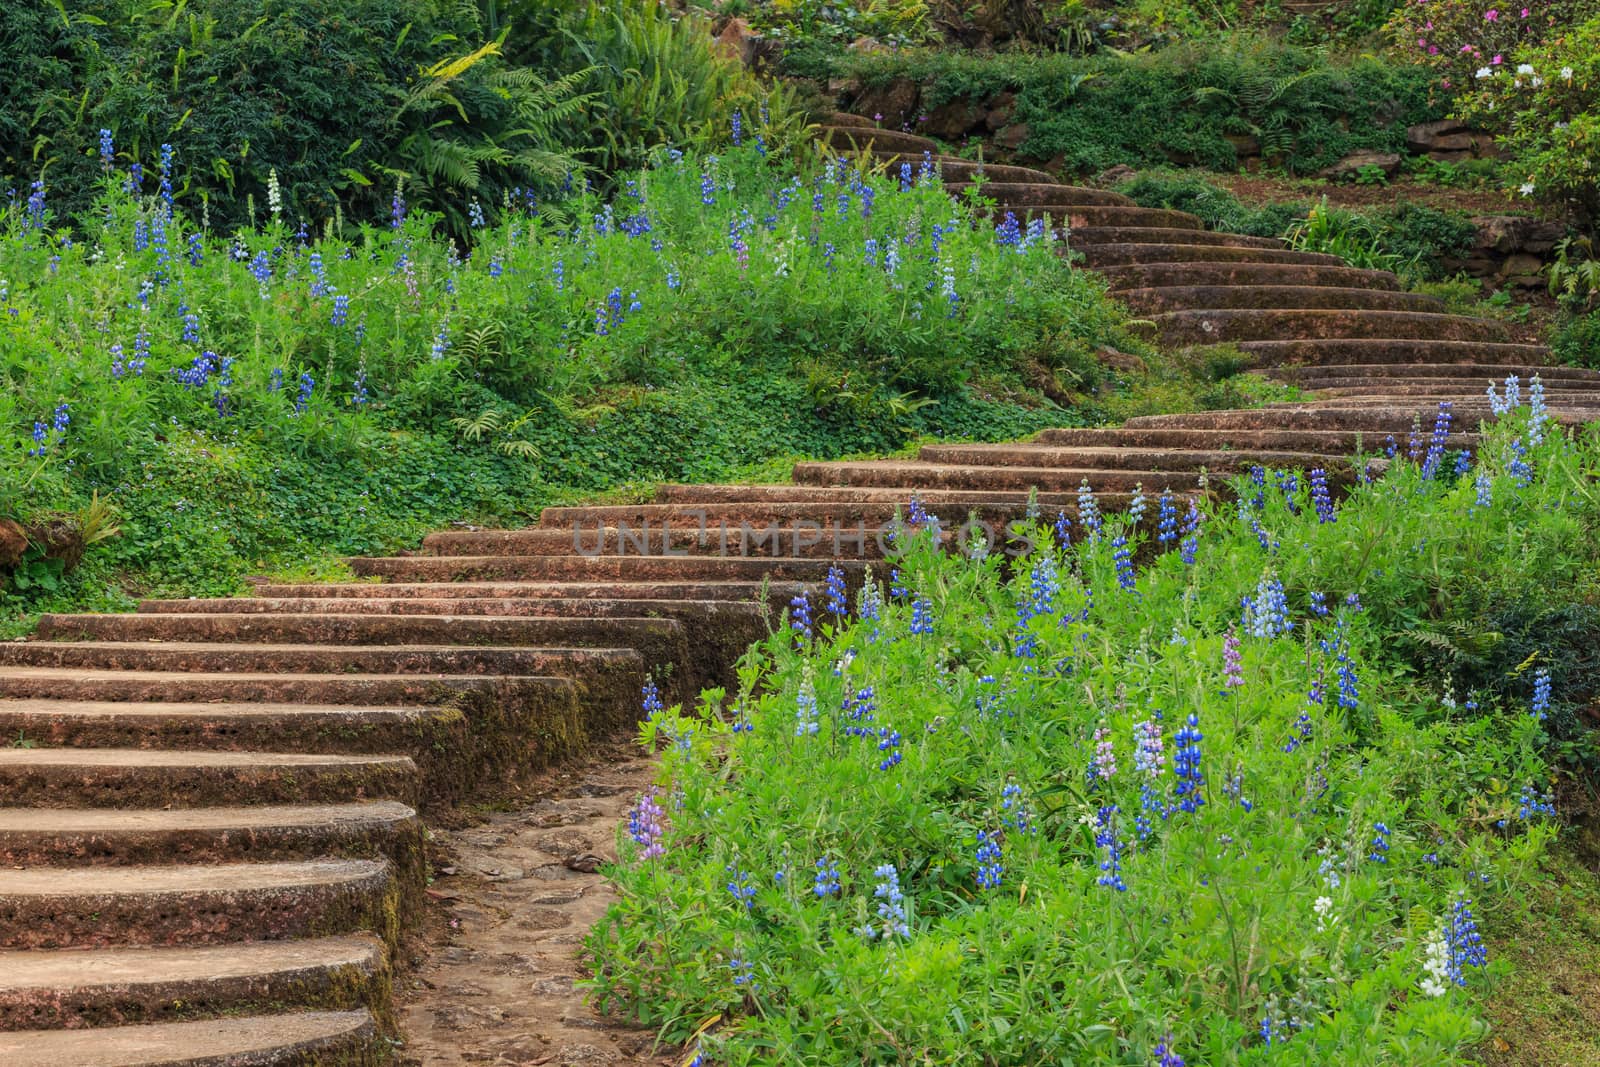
(1181, 104)
(1220, 209)
(1345, 234)
(1464, 41)
(1087, 819)
(1577, 341)
(259, 398)
(1575, 273)
(1547, 110)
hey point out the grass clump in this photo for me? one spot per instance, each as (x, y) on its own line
(1171, 788)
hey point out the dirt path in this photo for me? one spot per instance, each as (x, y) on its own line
(508, 910)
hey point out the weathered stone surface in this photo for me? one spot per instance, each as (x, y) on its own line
(1355, 163)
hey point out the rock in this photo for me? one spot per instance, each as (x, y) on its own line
(1520, 266)
(1353, 164)
(1505, 234)
(1011, 137)
(1001, 108)
(1543, 236)
(890, 105)
(1126, 362)
(1245, 145)
(738, 41)
(1114, 176)
(13, 543)
(951, 120)
(867, 46)
(1425, 136)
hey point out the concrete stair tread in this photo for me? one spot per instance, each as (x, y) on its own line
(1321, 351)
(300, 1038)
(710, 589)
(1494, 371)
(805, 494)
(471, 608)
(1198, 325)
(1106, 234)
(122, 966)
(1234, 273)
(94, 709)
(1126, 253)
(1275, 297)
(158, 757)
(17, 821)
(185, 878)
(287, 649)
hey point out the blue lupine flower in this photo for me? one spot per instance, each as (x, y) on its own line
(441, 341)
(1106, 837)
(708, 189)
(1273, 1029)
(740, 887)
(990, 870)
(319, 275)
(1088, 510)
(1267, 613)
(805, 709)
(303, 397)
(341, 310)
(191, 328)
(743, 972)
(891, 905)
(1062, 528)
(197, 249)
(261, 270)
(1009, 232)
(921, 615)
(800, 616)
(652, 699)
(836, 602)
(397, 207)
(1015, 814)
(107, 152)
(1165, 1054)
(1541, 694)
(738, 128)
(1380, 843)
(358, 390)
(475, 219)
(1186, 764)
(166, 177)
(1320, 497)
(1319, 603)
(1122, 556)
(1538, 415)
(826, 882)
(868, 194)
(198, 373)
(1166, 520)
(1465, 943)
(1136, 506)
(275, 380)
(889, 744)
(118, 368)
(1441, 431)
(1531, 804)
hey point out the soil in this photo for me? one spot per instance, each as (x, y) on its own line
(494, 973)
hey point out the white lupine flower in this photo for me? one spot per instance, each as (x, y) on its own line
(1436, 964)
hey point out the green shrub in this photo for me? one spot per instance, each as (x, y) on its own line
(1194, 784)
(1546, 107)
(1577, 341)
(1220, 209)
(1180, 104)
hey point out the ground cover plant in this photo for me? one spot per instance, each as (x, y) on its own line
(267, 394)
(1156, 793)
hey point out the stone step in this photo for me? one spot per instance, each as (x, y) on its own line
(202, 904)
(101, 837)
(1568, 408)
(844, 118)
(1556, 392)
(139, 777)
(1217, 297)
(948, 499)
(1118, 235)
(1044, 456)
(1163, 275)
(1550, 375)
(1079, 216)
(78, 684)
(568, 568)
(955, 169)
(1216, 327)
(1324, 442)
(300, 1039)
(861, 139)
(1345, 350)
(905, 472)
(1395, 418)
(217, 725)
(1020, 196)
(1100, 257)
(826, 539)
(740, 591)
(60, 989)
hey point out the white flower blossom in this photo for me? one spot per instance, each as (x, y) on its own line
(1566, 74)
(1524, 68)
(1483, 72)
(1436, 964)
(1526, 188)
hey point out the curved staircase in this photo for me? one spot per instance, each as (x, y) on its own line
(211, 837)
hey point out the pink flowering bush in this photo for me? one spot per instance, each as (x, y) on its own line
(1545, 105)
(1466, 41)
